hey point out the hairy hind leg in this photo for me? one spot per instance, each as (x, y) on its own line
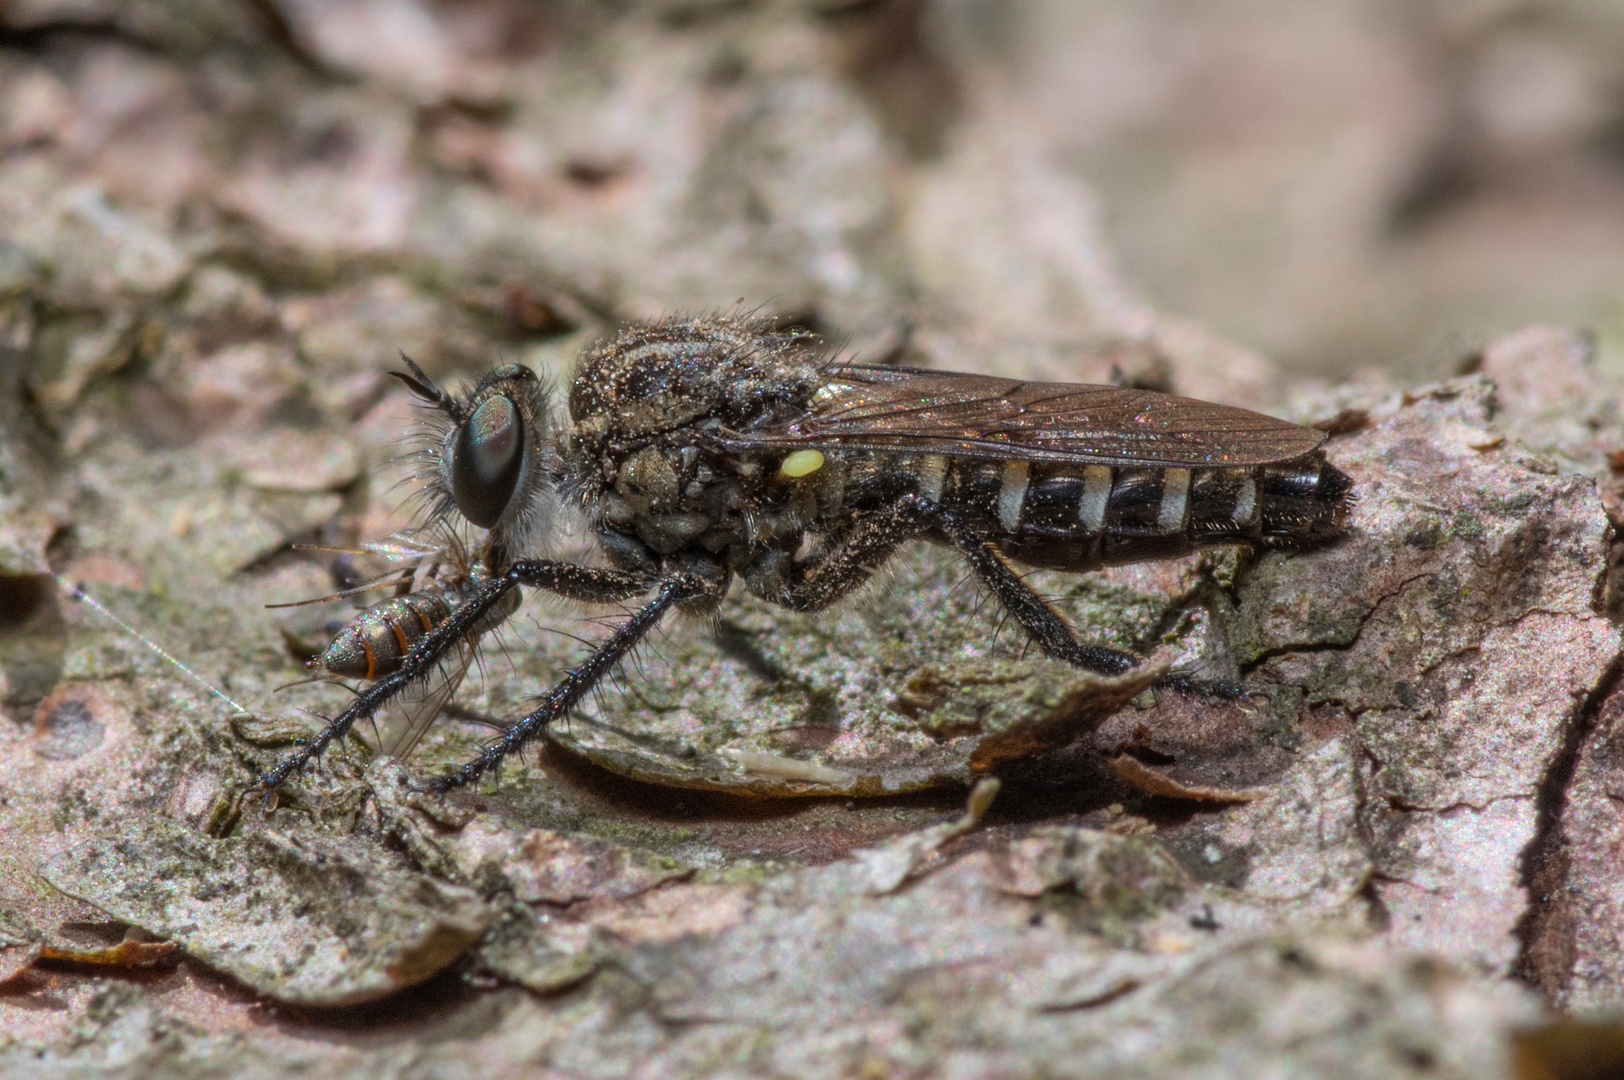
(875, 538)
(1040, 621)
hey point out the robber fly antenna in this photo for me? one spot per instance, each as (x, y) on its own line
(424, 387)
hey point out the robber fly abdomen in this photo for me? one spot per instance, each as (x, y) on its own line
(710, 449)
(1069, 518)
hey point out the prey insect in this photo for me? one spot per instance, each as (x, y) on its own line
(709, 449)
(438, 575)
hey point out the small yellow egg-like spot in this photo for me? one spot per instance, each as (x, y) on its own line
(802, 463)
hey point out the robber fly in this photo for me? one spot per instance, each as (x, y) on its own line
(706, 449)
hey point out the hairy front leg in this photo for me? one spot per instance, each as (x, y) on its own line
(850, 564)
(566, 579)
(580, 680)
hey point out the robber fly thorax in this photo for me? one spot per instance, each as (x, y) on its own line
(703, 450)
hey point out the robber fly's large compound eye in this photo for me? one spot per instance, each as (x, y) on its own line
(486, 459)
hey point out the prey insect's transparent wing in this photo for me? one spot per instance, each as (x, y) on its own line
(396, 548)
(400, 546)
(911, 410)
(408, 715)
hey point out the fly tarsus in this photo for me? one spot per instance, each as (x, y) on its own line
(578, 682)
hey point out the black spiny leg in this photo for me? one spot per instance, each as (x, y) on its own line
(580, 680)
(575, 582)
(1036, 617)
(813, 587)
(587, 583)
(872, 541)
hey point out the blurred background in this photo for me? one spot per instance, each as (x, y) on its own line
(222, 220)
(1344, 183)
(1334, 186)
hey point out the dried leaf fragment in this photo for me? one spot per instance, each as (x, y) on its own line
(889, 866)
(127, 953)
(1345, 422)
(1151, 782)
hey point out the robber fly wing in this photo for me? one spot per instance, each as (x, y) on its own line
(910, 410)
(408, 716)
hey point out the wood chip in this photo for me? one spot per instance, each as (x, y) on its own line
(1151, 782)
(127, 953)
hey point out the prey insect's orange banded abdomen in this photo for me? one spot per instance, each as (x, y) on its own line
(375, 641)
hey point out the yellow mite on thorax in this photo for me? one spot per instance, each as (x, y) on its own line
(801, 463)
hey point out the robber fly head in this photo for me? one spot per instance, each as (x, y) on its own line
(488, 459)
